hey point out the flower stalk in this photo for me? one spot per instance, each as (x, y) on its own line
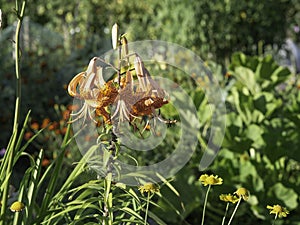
(205, 203)
(20, 15)
(225, 214)
(208, 180)
(147, 208)
(242, 194)
(229, 198)
(11, 146)
(274, 219)
(150, 189)
(234, 211)
(107, 209)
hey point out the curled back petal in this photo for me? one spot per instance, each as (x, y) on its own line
(72, 87)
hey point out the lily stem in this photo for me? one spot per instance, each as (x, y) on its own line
(20, 15)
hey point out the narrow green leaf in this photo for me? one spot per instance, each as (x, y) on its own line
(21, 136)
(156, 218)
(32, 189)
(172, 188)
(131, 212)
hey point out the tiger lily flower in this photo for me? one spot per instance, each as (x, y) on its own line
(93, 90)
(125, 99)
(152, 96)
(133, 100)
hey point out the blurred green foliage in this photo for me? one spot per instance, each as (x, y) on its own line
(59, 37)
(261, 131)
(208, 27)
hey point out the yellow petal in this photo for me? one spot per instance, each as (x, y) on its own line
(17, 206)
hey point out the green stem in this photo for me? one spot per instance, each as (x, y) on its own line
(260, 48)
(236, 207)
(107, 212)
(17, 63)
(205, 203)
(226, 210)
(275, 219)
(147, 208)
(11, 148)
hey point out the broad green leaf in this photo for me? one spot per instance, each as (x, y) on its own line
(265, 68)
(254, 132)
(286, 195)
(247, 78)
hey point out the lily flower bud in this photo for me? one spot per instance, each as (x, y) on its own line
(0, 18)
(115, 35)
(124, 43)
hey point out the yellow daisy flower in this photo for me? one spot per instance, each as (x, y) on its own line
(242, 193)
(229, 198)
(278, 210)
(149, 187)
(17, 206)
(210, 180)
